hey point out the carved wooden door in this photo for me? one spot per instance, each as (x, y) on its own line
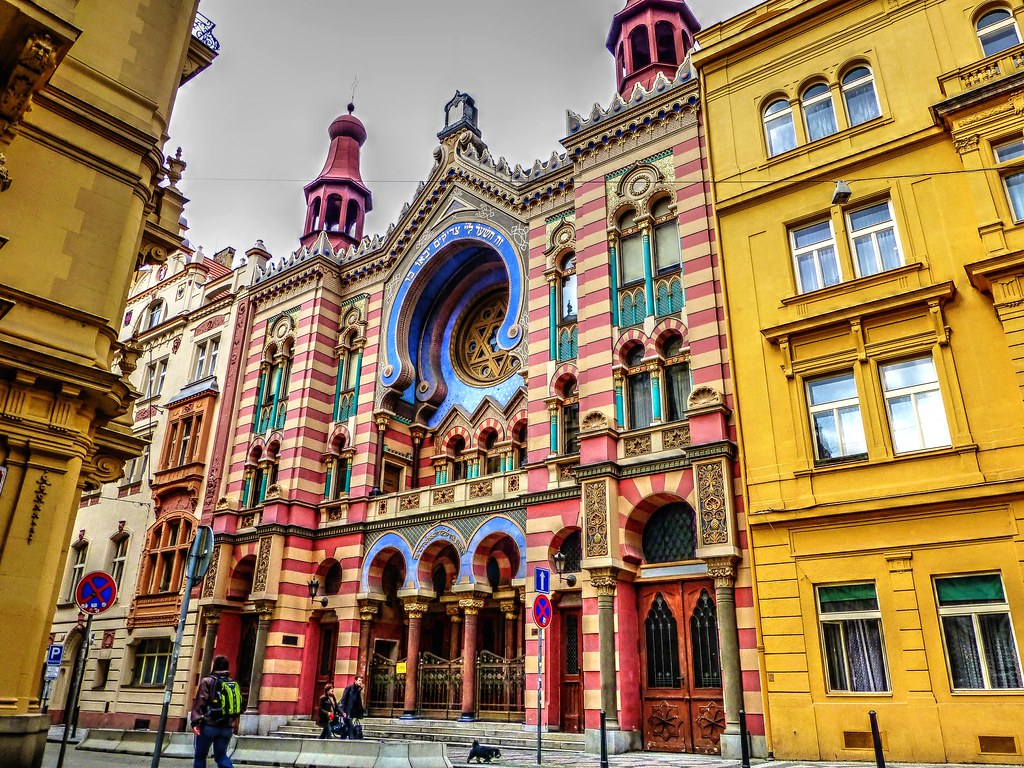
(327, 654)
(680, 668)
(572, 672)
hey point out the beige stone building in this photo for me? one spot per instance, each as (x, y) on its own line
(86, 91)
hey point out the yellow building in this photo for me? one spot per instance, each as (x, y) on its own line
(876, 334)
(86, 90)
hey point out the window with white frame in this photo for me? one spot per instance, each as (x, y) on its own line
(1013, 183)
(206, 358)
(851, 636)
(858, 86)
(837, 427)
(779, 130)
(873, 239)
(819, 112)
(997, 31)
(976, 629)
(154, 314)
(155, 374)
(78, 555)
(814, 256)
(152, 660)
(913, 400)
(118, 557)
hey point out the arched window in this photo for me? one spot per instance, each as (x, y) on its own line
(640, 46)
(631, 250)
(859, 95)
(570, 419)
(997, 31)
(163, 564)
(332, 579)
(458, 461)
(677, 380)
(778, 127)
(666, 236)
(670, 536)
(154, 314)
(568, 306)
(665, 40)
(332, 215)
(519, 436)
(352, 219)
(620, 57)
(638, 385)
(819, 112)
(572, 548)
(493, 458)
(315, 222)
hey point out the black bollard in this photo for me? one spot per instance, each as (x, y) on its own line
(744, 745)
(604, 742)
(876, 739)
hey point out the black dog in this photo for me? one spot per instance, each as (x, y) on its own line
(482, 753)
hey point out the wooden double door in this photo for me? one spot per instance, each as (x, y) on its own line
(681, 672)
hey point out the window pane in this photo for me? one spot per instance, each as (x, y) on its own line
(835, 660)
(870, 217)
(821, 119)
(999, 40)
(677, 380)
(666, 246)
(569, 297)
(808, 273)
(866, 261)
(1015, 192)
(866, 655)
(964, 663)
(832, 389)
(886, 241)
(853, 431)
(861, 103)
(781, 134)
(903, 421)
(967, 590)
(815, 233)
(827, 435)
(1000, 652)
(640, 405)
(1009, 151)
(631, 265)
(829, 265)
(934, 430)
(848, 597)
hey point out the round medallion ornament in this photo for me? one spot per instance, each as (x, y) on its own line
(476, 356)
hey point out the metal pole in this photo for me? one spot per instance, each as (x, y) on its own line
(171, 671)
(540, 682)
(604, 741)
(876, 740)
(744, 745)
(74, 685)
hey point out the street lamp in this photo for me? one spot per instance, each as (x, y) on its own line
(314, 587)
(560, 569)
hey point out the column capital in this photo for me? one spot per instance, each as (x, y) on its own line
(211, 616)
(264, 609)
(453, 612)
(508, 607)
(722, 570)
(471, 605)
(368, 609)
(382, 420)
(604, 580)
(415, 607)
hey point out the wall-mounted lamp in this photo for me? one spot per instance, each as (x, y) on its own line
(560, 569)
(842, 193)
(314, 587)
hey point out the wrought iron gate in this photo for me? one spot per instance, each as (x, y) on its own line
(440, 686)
(500, 687)
(387, 687)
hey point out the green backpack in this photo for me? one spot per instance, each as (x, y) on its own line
(225, 699)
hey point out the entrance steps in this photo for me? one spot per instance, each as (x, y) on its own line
(494, 734)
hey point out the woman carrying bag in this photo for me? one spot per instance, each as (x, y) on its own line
(327, 712)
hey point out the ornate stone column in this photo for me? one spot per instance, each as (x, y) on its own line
(211, 618)
(418, 433)
(381, 420)
(264, 609)
(454, 637)
(723, 571)
(367, 610)
(508, 607)
(414, 609)
(604, 580)
(471, 609)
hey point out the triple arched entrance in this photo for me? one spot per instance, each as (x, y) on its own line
(443, 631)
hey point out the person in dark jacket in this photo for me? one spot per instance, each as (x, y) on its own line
(352, 700)
(327, 711)
(209, 730)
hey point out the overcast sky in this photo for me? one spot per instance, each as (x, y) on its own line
(253, 127)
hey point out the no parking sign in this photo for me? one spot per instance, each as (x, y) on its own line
(96, 592)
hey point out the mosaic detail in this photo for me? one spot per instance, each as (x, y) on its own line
(439, 532)
(595, 505)
(714, 528)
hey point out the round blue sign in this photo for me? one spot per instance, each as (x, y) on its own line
(95, 593)
(542, 611)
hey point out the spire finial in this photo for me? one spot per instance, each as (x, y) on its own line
(352, 104)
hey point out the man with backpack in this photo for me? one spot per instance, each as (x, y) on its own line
(217, 704)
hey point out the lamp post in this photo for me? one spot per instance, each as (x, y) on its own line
(314, 587)
(560, 569)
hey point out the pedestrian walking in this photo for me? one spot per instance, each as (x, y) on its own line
(352, 707)
(327, 711)
(217, 704)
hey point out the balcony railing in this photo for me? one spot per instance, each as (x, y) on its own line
(461, 493)
(994, 67)
(202, 30)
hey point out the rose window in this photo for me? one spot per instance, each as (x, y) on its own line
(477, 357)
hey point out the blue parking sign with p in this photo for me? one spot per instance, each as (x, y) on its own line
(54, 654)
(542, 580)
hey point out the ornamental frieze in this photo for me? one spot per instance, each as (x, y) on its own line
(595, 510)
(262, 565)
(714, 527)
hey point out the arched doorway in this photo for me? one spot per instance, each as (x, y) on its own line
(387, 651)
(680, 668)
